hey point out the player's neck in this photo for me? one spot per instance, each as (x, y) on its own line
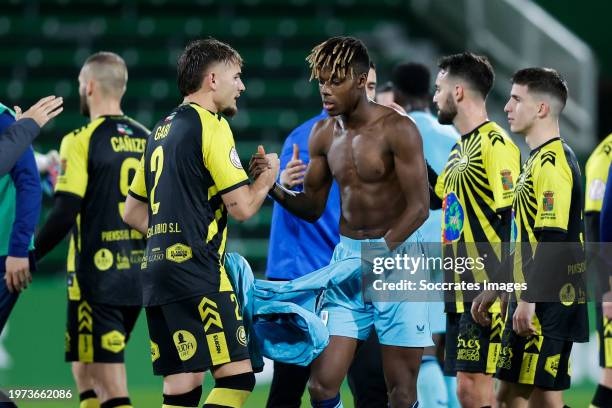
(541, 132)
(359, 116)
(202, 99)
(105, 108)
(470, 117)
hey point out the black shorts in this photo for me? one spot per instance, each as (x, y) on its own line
(195, 334)
(604, 334)
(471, 347)
(536, 360)
(98, 333)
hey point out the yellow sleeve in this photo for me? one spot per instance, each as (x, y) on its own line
(439, 189)
(553, 191)
(138, 189)
(73, 165)
(501, 160)
(221, 158)
(596, 178)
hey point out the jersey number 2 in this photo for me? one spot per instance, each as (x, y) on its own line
(157, 165)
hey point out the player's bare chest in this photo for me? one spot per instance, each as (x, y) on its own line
(363, 155)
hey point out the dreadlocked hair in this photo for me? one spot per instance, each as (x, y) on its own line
(344, 56)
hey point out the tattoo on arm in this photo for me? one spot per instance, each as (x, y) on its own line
(233, 204)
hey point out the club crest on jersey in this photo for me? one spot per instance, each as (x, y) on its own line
(506, 179)
(63, 166)
(548, 202)
(234, 158)
(124, 129)
(464, 161)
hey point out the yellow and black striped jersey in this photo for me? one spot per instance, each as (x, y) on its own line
(596, 172)
(189, 162)
(548, 197)
(476, 185)
(97, 163)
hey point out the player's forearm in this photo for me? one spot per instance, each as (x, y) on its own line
(297, 203)
(591, 226)
(60, 220)
(258, 191)
(412, 218)
(136, 213)
(14, 140)
(435, 203)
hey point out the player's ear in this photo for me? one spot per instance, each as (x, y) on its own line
(209, 81)
(459, 92)
(543, 109)
(90, 86)
(362, 80)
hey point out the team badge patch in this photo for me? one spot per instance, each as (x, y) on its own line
(178, 253)
(113, 341)
(63, 165)
(548, 202)
(506, 179)
(103, 259)
(597, 188)
(154, 351)
(241, 336)
(185, 343)
(124, 129)
(234, 158)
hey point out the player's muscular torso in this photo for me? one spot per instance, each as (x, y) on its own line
(361, 161)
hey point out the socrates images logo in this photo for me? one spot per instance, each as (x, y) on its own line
(178, 253)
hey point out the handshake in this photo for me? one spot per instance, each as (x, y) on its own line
(291, 176)
(265, 166)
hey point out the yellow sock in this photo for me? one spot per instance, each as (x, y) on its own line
(89, 399)
(227, 397)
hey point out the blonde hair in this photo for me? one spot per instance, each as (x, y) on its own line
(109, 70)
(344, 56)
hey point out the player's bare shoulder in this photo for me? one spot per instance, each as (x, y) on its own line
(399, 127)
(321, 135)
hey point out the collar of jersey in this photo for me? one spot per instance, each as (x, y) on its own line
(199, 106)
(537, 149)
(471, 132)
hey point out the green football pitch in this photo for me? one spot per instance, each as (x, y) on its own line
(35, 344)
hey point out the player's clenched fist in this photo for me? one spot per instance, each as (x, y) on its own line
(264, 165)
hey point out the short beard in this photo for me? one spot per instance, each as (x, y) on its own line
(83, 107)
(446, 117)
(230, 111)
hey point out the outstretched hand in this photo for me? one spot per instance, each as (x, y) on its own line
(42, 111)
